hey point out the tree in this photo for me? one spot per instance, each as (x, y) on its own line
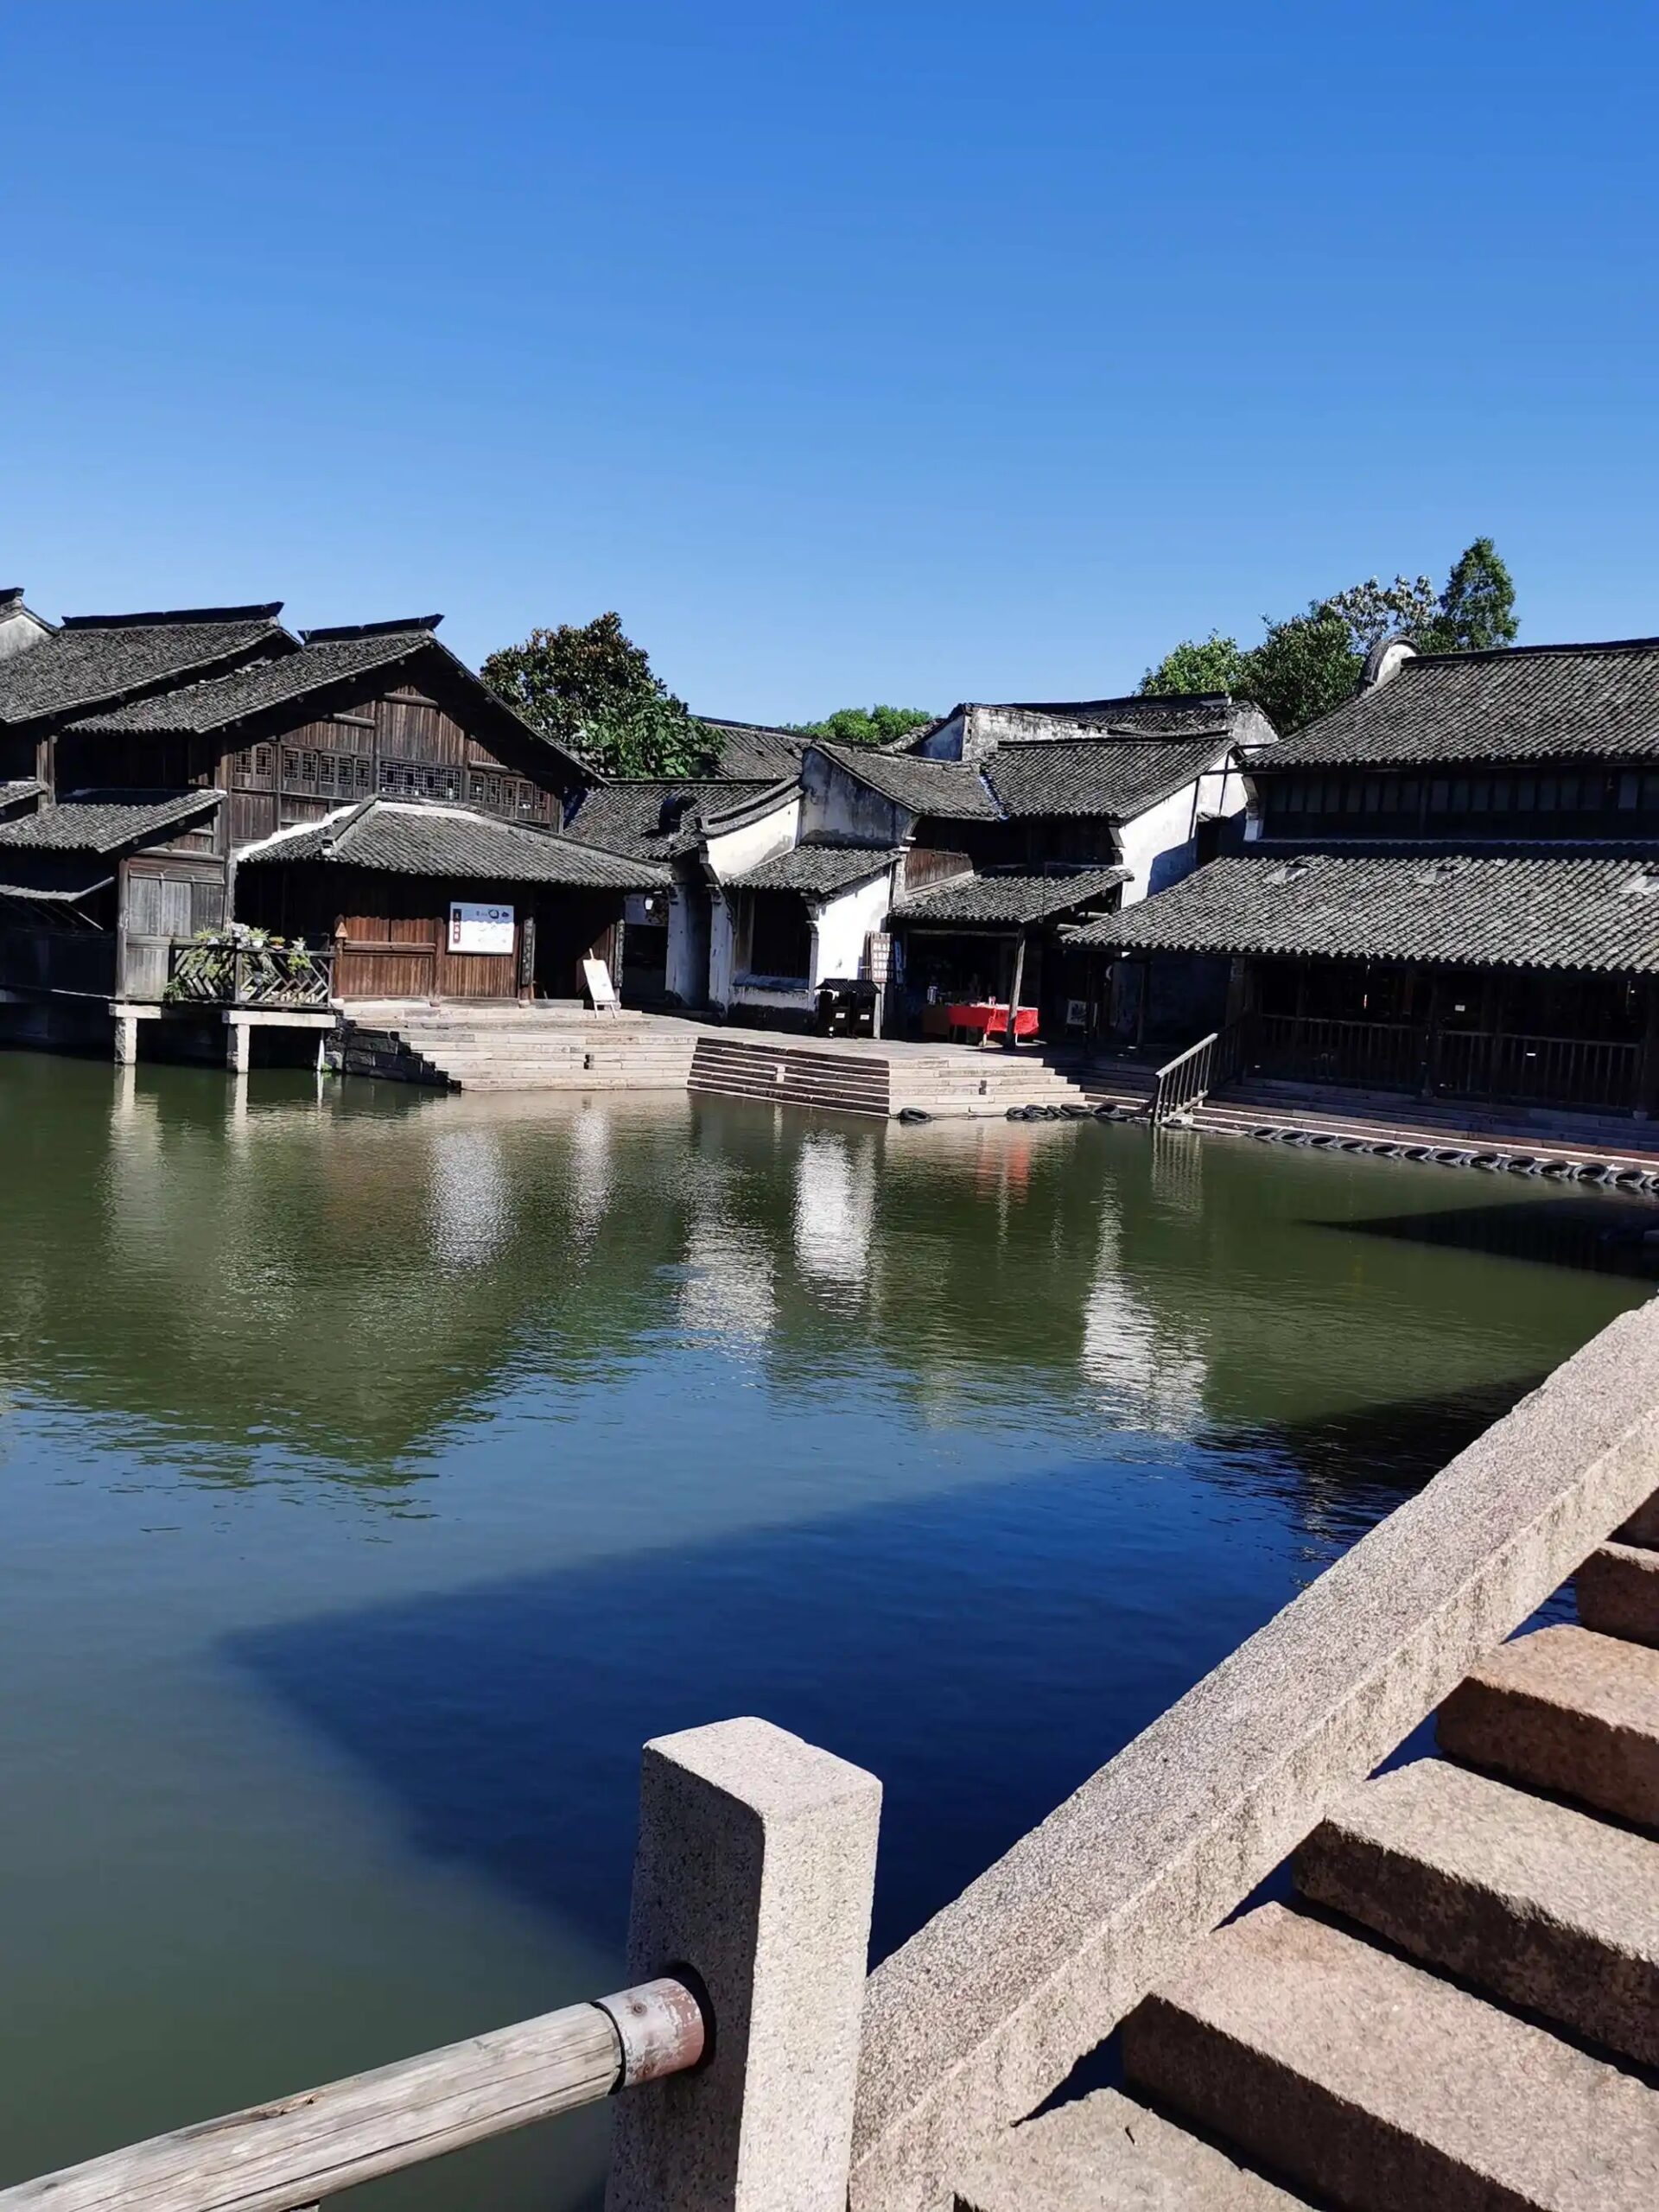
(1477, 608)
(866, 725)
(590, 689)
(1311, 662)
(1375, 610)
(1211, 663)
(1303, 668)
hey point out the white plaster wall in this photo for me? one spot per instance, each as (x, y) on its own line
(946, 743)
(735, 852)
(842, 924)
(722, 947)
(835, 805)
(1159, 847)
(20, 628)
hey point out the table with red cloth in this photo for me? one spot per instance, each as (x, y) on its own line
(985, 1017)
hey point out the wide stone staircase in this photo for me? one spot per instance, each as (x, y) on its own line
(1461, 2011)
(558, 1047)
(518, 1048)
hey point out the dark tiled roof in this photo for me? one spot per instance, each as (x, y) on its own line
(628, 817)
(942, 789)
(1111, 775)
(405, 838)
(1186, 713)
(818, 870)
(89, 662)
(1530, 703)
(19, 793)
(96, 821)
(93, 873)
(1490, 913)
(222, 700)
(1010, 899)
(753, 753)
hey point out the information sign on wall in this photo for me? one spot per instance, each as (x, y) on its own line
(479, 929)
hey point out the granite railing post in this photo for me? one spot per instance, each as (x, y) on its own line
(752, 1881)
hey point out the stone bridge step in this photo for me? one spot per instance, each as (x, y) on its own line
(1618, 1590)
(1567, 1710)
(1107, 2153)
(1379, 2086)
(1548, 1908)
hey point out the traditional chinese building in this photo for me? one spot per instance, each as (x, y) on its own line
(1449, 887)
(171, 776)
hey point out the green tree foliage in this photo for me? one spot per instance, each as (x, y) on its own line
(1211, 663)
(866, 725)
(1476, 609)
(1308, 664)
(590, 689)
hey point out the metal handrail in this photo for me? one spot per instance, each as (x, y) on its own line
(1182, 1083)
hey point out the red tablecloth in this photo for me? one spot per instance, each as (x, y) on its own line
(993, 1021)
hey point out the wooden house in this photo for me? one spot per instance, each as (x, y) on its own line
(1449, 886)
(440, 864)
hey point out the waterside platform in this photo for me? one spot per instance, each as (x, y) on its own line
(555, 1047)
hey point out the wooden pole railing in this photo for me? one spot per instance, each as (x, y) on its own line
(737, 2046)
(291, 2154)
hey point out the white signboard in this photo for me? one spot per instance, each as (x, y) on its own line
(600, 988)
(479, 929)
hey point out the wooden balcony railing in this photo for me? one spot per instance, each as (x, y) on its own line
(1583, 1071)
(225, 971)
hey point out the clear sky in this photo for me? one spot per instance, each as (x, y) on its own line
(899, 350)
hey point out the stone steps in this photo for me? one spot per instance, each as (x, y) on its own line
(1618, 1592)
(1382, 2088)
(787, 1074)
(1108, 2153)
(1448, 2020)
(1568, 1711)
(1547, 1908)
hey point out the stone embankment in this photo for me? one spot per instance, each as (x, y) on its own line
(511, 1047)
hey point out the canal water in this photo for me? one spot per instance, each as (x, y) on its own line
(380, 1470)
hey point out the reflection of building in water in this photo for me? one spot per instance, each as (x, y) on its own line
(472, 1216)
(1150, 1374)
(729, 1289)
(591, 1138)
(835, 1206)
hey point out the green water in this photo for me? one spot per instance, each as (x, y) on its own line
(379, 1469)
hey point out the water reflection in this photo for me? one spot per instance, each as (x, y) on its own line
(380, 1469)
(346, 1274)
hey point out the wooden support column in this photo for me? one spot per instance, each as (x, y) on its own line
(1432, 1040)
(1647, 1078)
(1011, 1040)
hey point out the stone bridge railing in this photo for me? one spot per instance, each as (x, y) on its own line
(759, 2072)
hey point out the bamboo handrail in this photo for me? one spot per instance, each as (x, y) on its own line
(291, 2154)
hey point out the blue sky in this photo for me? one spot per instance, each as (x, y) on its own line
(914, 352)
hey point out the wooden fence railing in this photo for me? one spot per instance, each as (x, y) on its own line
(1583, 1071)
(224, 971)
